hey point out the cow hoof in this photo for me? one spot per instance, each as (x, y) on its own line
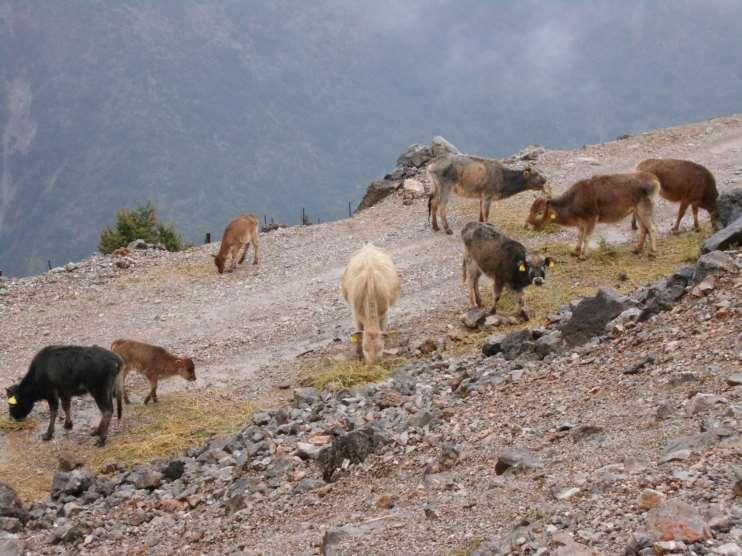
(524, 316)
(68, 426)
(95, 432)
(449, 231)
(46, 437)
(100, 442)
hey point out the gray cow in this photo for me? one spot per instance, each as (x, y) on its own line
(486, 251)
(477, 178)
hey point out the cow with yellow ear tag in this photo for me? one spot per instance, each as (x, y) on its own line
(507, 262)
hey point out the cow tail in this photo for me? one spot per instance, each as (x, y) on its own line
(463, 269)
(370, 306)
(430, 205)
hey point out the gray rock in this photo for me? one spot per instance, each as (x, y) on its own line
(591, 315)
(10, 503)
(306, 450)
(549, 343)
(441, 146)
(729, 205)
(516, 457)
(10, 524)
(474, 318)
(354, 446)
(305, 397)
(734, 379)
(377, 191)
(307, 484)
(10, 546)
(173, 470)
(261, 418)
(493, 345)
(415, 156)
(715, 262)
(145, 477)
(726, 238)
(73, 483)
(404, 383)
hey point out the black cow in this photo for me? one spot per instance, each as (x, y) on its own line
(486, 251)
(60, 372)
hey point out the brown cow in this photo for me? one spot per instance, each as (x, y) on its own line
(370, 284)
(479, 178)
(684, 182)
(238, 235)
(604, 198)
(153, 362)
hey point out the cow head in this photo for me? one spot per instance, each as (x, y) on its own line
(187, 369)
(373, 345)
(533, 179)
(18, 406)
(219, 261)
(540, 213)
(534, 269)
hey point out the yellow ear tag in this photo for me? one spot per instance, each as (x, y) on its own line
(12, 400)
(551, 263)
(353, 339)
(522, 267)
(552, 216)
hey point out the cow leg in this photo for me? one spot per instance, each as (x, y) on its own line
(125, 372)
(472, 280)
(681, 213)
(255, 249)
(487, 205)
(244, 253)
(359, 343)
(53, 411)
(104, 401)
(522, 305)
(443, 198)
(580, 238)
(587, 230)
(696, 225)
(444, 220)
(645, 215)
(152, 389)
(481, 208)
(434, 211)
(496, 293)
(633, 220)
(67, 413)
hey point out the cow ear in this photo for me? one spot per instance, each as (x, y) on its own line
(549, 262)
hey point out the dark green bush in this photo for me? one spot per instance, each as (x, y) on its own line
(139, 223)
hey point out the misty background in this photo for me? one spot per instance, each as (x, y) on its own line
(215, 107)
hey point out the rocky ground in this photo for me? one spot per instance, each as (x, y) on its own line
(543, 446)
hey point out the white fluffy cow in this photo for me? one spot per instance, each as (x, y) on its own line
(370, 285)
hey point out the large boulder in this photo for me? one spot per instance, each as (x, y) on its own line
(415, 156)
(377, 192)
(590, 316)
(440, 147)
(726, 238)
(716, 262)
(729, 205)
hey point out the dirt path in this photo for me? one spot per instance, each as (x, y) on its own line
(245, 329)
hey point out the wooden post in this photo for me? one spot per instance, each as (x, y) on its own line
(349, 213)
(207, 239)
(49, 263)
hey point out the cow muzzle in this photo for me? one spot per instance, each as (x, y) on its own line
(538, 281)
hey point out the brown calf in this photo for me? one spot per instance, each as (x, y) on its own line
(153, 362)
(605, 198)
(238, 235)
(684, 182)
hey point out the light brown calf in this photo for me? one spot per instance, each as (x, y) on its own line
(153, 362)
(604, 198)
(684, 182)
(238, 235)
(370, 285)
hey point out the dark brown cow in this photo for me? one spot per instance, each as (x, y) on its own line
(486, 251)
(604, 198)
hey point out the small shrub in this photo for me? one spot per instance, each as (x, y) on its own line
(139, 223)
